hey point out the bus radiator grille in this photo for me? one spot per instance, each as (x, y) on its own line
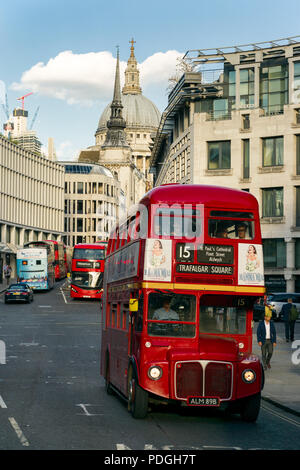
(189, 379)
(218, 380)
(202, 378)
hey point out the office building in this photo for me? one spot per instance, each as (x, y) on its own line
(235, 121)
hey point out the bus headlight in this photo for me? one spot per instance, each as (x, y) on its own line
(155, 372)
(248, 376)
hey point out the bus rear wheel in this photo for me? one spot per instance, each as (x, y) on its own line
(137, 397)
(250, 408)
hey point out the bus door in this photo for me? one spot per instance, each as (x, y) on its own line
(136, 307)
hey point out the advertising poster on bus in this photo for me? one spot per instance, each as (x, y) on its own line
(32, 267)
(251, 265)
(158, 265)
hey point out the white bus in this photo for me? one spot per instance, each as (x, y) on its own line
(35, 268)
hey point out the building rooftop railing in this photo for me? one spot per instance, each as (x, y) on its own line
(211, 54)
(218, 115)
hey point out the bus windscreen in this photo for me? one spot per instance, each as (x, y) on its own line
(89, 254)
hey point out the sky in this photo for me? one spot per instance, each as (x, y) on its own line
(64, 52)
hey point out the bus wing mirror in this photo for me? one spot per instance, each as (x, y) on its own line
(133, 305)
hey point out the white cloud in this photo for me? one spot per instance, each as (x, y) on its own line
(158, 68)
(84, 78)
(66, 151)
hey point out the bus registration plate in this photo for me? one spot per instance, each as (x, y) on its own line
(203, 401)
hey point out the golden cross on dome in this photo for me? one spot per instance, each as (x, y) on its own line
(132, 42)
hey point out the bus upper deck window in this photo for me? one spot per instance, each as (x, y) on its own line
(177, 222)
(234, 229)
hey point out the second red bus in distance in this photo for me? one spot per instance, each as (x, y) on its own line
(87, 270)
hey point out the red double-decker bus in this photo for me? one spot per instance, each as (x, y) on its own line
(57, 252)
(181, 276)
(87, 270)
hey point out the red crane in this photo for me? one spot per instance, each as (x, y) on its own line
(22, 98)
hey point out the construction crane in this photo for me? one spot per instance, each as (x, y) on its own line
(22, 98)
(34, 118)
(5, 107)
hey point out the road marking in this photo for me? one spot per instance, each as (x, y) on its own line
(275, 413)
(122, 447)
(19, 432)
(2, 404)
(62, 293)
(29, 344)
(86, 412)
(45, 306)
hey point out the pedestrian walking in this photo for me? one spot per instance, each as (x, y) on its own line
(7, 273)
(266, 337)
(289, 314)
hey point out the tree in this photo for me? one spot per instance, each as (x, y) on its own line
(183, 66)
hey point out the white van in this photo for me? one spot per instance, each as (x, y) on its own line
(277, 299)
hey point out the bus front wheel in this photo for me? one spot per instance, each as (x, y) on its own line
(250, 408)
(137, 397)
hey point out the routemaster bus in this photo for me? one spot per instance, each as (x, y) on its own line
(87, 270)
(57, 251)
(182, 273)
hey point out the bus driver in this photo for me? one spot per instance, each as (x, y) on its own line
(165, 312)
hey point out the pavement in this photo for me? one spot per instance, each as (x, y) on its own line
(282, 381)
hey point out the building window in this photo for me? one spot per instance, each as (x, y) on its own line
(246, 121)
(79, 225)
(298, 154)
(296, 96)
(247, 88)
(274, 250)
(246, 159)
(79, 207)
(274, 88)
(231, 89)
(219, 155)
(273, 151)
(80, 188)
(297, 254)
(297, 206)
(272, 202)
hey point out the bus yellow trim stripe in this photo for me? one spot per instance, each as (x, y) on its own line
(204, 287)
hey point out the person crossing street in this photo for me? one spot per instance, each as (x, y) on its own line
(266, 337)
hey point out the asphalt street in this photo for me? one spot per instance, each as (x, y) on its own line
(52, 396)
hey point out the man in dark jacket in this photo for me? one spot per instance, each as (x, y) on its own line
(289, 319)
(266, 338)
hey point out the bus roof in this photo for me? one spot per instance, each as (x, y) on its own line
(34, 252)
(210, 196)
(97, 246)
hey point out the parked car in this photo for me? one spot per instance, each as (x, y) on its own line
(259, 309)
(18, 293)
(277, 299)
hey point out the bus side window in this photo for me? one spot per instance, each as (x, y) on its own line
(113, 314)
(118, 316)
(107, 318)
(125, 316)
